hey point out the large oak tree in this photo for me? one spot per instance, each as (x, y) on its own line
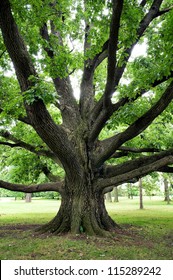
(100, 140)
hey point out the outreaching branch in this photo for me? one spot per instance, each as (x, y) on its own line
(111, 145)
(139, 172)
(130, 165)
(47, 187)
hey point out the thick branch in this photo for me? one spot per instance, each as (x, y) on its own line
(15, 46)
(86, 87)
(166, 169)
(105, 114)
(47, 187)
(113, 170)
(153, 13)
(109, 50)
(53, 135)
(112, 144)
(139, 172)
(112, 49)
(99, 119)
(145, 22)
(101, 57)
(67, 102)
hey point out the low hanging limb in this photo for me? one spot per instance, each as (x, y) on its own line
(47, 187)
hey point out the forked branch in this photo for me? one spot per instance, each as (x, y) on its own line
(117, 73)
(110, 145)
(136, 173)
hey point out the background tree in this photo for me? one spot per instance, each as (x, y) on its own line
(151, 185)
(141, 205)
(49, 42)
(167, 181)
(115, 193)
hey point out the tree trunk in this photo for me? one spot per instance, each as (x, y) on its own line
(28, 197)
(140, 194)
(82, 210)
(166, 189)
(109, 197)
(116, 194)
(130, 192)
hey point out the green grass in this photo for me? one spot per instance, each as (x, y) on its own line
(145, 234)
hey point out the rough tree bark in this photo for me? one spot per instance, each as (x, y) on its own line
(75, 143)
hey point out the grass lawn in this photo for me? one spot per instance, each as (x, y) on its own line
(145, 234)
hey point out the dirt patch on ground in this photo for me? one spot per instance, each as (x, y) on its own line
(15, 230)
(169, 238)
(19, 227)
(128, 235)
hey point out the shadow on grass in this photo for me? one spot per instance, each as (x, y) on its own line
(22, 241)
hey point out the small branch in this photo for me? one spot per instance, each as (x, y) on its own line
(9, 144)
(1, 55)
(140, 150)
(100, 58)
(22, 144)
(21, 118)
(164, 11)
(143, 3)
(24, 119)
(45, 35)
(119, 154)
(49, 175)
(127, 150)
